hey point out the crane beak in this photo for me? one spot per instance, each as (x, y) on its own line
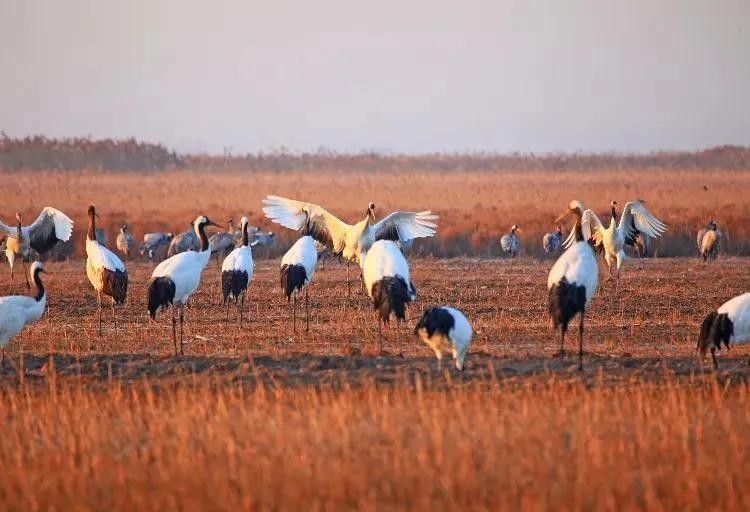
(212, 223)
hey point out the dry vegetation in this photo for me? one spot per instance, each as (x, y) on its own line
(476, 208)
(265, 418)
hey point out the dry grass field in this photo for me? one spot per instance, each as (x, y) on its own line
(268, 418)
(475, 208)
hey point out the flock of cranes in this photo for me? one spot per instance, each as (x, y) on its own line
(375, 246)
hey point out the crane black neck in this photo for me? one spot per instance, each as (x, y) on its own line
(244, 235)
(39, 285)
(91, 233)
(614, 213)
(200, 228)
(578, 228)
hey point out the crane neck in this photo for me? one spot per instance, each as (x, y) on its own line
(614, 214)
(244, 235)
(18, 229)
(91, 233)
(200, 230)
(39, 285)
(577, 228)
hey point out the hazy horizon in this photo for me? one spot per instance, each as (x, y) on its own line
(421, 77)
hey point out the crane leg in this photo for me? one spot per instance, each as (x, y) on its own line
(99, 300)
(380, 336)
(294, 312)
(174, 328)
(226, 309)
(114, 316)
(713, 356)
(25, 273)
(10, 288)
(580, 342)
(562, 342)
(348, 282)
(307, 311)
(182, 323)
(242, 307)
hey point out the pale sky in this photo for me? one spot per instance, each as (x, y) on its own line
(397, 75)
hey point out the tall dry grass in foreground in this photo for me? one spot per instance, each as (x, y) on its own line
(541, 445)
(476, 207)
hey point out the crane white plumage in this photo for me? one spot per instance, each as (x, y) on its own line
(106, 272)
(572, 282)
(445, 329)
(730, 323)
(349, 241)
(175, 279)
(386, 276)
(297, 269)
(237, 272)
(17, 311)
(50, 227)
(635, 220)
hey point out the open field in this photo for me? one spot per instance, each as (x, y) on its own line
(265, 418)
(476, 208)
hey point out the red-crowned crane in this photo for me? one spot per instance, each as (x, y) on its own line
(386, 276)
(105, 270)
(445, 329)
(349, 241)
(728, 324)
(236, 272)
(175, 279)
(17, 311)
(572, 282)
(297, 269)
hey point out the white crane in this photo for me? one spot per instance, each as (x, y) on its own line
(572, 282)
(510, 242)
(16, 311)
(709, 239)
(175, 279)
(125, 240)
(106, 272)
(16, 248)
(50, 227)
(297, 269)
(728, 324)
(636, 219)
(386, 275)
(551, 241)
(349, 241)
(445, 329)
(236, 272)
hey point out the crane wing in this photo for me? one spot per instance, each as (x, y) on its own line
(591, 227)
(405, 226)
(321, 225)
(637, 219)
(51, 226)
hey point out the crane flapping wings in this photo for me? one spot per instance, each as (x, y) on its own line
(637, 219)
(591, 227)
(315, 220)
(51, 226)
(405, 226)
